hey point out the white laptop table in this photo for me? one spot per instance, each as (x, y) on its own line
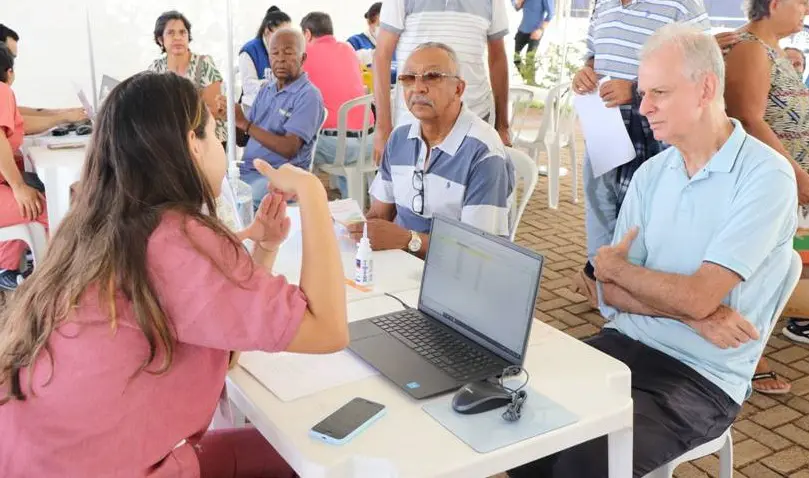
(407, 442)
(394, 271)
(58, 169)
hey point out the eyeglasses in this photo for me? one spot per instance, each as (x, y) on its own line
(418, 185)
(430, 78)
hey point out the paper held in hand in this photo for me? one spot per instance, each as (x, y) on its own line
(605, 136)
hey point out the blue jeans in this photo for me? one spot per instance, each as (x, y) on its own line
(258, 184)
(601, 207)
(327, 151)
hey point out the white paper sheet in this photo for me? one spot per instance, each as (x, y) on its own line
(346, 211)
(605, 137)
(291, 376)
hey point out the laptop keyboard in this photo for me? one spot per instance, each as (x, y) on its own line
(445, 350)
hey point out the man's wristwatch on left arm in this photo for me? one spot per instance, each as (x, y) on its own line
(414, 245)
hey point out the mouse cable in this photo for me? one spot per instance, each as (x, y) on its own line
(513, 411)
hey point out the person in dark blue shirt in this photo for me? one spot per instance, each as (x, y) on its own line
(254, 56)
(536, 14)
(365, 43)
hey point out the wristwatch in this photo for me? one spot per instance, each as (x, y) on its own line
(415, 242)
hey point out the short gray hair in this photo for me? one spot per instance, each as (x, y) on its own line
(453, 57)
(756, 9)
(299, 38)
(700, 52)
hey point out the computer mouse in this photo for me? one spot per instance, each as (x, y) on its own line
(479, 397)
(84, 129)
(60, 131)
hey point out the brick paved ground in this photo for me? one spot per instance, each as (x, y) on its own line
(771, 436)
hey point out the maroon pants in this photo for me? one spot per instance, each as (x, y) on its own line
(239, 453)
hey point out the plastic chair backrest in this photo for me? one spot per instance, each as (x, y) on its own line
(527, 174)
(364, 102)
(791, 281)
(519, 99)
(317, 136)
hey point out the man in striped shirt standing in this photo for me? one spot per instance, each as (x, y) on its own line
(470, 27)
(618, 30)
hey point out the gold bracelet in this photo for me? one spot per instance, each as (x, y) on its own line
(258, 244)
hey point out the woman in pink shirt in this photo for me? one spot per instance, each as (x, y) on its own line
(113, 354)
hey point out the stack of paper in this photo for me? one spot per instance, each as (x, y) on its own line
(291, 376)
(346, 211)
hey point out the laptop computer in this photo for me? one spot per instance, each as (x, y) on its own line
(478, 293)
(107, 84)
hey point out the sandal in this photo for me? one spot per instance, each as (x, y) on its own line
(770, 391)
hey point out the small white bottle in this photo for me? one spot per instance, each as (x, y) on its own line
(242, 193)
(364, 263)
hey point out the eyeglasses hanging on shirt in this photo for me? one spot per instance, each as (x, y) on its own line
(418, 185)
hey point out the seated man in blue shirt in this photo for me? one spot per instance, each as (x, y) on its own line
(449, 161)
(696, 268)
(286, 115)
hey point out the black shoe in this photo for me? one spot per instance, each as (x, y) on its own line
(10, 280)
(28, 270)
(797, 330)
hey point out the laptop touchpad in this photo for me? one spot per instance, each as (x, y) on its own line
(362, 329)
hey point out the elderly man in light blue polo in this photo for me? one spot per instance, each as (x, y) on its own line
(617, 31)
(450, 161)
(700, 256)
(285, 117)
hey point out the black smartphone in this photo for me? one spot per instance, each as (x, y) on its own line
(348, 421)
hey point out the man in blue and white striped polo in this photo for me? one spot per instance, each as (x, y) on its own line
(618, 30)
(449, 161)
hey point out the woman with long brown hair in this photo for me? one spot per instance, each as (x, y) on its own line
(113, 354)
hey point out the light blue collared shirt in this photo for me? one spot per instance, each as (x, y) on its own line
(739, 211)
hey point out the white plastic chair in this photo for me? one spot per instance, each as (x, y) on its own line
(526, 171)
(724, 444)
(317, 136)
(555, 132)
(32, 233)
(519, 98)
(355, 172)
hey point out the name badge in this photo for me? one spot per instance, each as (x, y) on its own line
(284, 113)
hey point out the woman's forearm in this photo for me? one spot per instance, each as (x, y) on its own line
(35, 124)
(8, 167)
(322, 276)
(264, 257)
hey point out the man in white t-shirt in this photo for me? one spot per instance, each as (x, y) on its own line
(470, 27)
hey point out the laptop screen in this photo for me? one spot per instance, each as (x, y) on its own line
(483, 286)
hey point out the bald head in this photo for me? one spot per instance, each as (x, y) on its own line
(289, 36)
(287, 54)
